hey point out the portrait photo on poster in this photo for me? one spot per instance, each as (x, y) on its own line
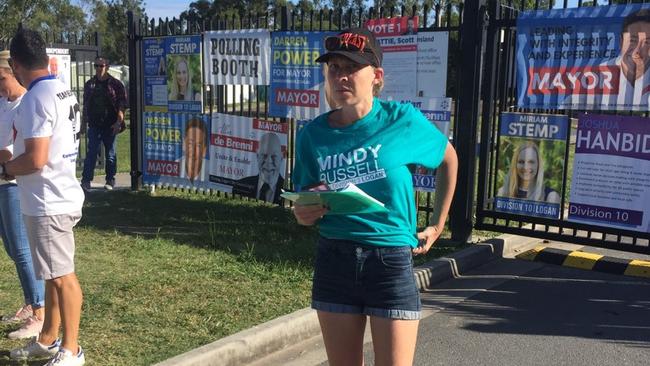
(634, 59)
(184, 77)
(523, 173)
(195, 149)
(267, 184)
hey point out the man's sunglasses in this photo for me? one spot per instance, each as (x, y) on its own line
(99, 66)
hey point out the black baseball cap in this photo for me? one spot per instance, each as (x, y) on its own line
(357, 44)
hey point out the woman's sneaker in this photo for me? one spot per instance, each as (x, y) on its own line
(30, 328)
(66, 358)
(34, 349)
(21, 315)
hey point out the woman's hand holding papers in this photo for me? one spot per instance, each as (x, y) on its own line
(308, 215)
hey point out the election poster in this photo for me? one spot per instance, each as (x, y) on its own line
(610, 184)
(530, 164)
(59, 64)
(155, 80)
(249, 155)
(395, 26)
(297, 82)
(588, 58)
(237, 57)
(400, 67)
(173, 80)
(400, 51)
(432, 57)
(438, 112)
(175, 149)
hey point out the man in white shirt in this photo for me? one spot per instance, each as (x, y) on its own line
(45, 152)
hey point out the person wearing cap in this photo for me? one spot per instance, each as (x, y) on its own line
(104, 103)
(364, 266)
(12, 228)
(46, 146)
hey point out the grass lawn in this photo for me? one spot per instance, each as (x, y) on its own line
(164, 274)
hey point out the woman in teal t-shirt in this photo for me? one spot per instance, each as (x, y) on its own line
(364, 266)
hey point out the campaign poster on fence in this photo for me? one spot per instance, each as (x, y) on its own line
(173, 78)
(249, 155)
(433, 49)
(175, 149)
(155, 74)
(297, 82)
(59, 64)
(530, 165)
(438, 112)
(400, 51)
(237, 57)
(610, 185)
(588, 58)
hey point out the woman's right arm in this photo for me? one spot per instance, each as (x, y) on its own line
(308, 215)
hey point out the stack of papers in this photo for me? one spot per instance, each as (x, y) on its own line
(349, 200)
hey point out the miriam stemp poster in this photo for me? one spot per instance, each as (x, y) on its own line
(531, 164)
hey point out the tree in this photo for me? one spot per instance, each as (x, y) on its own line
(110, 21)
(52, 16)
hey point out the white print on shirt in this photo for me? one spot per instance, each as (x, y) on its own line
(357, 166)
(75, 121)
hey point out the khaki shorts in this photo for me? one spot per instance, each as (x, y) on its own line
(52, 244)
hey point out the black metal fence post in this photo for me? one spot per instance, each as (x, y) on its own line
(472, 43)
(135, 96)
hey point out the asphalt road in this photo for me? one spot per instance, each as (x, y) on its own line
(513, 312)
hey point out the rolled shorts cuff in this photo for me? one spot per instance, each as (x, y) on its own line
(395, 314)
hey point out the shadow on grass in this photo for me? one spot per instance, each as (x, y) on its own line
(240, 227)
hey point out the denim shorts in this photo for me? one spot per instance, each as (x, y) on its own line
(356, 278)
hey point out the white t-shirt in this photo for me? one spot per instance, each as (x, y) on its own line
(50, 109)
(8, 110)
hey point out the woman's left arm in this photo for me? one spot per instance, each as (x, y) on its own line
(445, 187)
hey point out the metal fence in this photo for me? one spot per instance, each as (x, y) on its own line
(220, 97)
(498, 95)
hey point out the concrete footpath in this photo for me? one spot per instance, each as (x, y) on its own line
(257, 342)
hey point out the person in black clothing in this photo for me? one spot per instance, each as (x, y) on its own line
(103, 111)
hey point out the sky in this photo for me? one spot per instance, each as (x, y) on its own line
(165, 8)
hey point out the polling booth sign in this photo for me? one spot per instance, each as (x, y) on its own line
(237, 57)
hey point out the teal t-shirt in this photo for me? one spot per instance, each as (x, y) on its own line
(373, 153)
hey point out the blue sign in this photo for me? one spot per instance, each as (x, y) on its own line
(297, 89)
(172, 74)
(584, 58)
